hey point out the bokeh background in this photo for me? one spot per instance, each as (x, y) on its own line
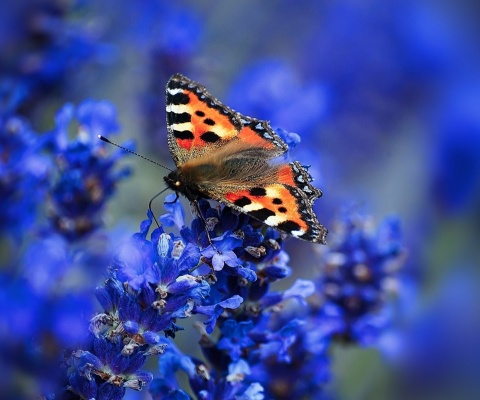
(385, 95)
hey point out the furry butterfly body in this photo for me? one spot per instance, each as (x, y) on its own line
(225, 156)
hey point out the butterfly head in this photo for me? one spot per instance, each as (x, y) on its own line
(176, 181)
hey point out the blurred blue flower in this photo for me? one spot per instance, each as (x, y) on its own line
(86, 176)
(272, 90)
(47, 287)
(456, 153)
(178, 33)
(440, 347)
(41, 44)
(359, 270)
(24, 174)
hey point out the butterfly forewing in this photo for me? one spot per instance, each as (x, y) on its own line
(198, 123)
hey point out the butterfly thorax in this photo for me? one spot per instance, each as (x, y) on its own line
(178, 182)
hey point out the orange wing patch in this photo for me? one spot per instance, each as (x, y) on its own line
(274, 204)
(259, 133)
(194, 123)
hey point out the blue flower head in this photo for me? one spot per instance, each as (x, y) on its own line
(42, 44)
(359, 264)
(86, 176)
(272, 90)
(24, 174)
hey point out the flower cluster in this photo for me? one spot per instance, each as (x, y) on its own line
(358, 273)
(257, 343)
(86, 175)
(46, 287)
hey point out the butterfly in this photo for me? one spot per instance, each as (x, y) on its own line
(223, 155)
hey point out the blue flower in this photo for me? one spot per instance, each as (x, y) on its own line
(222, 254)
(86, 176)
(214, 311)
(106, 373)
(175, 213)
(359, 265)
(234, 337)
(42, 44)
(24, 174)
(272, 90)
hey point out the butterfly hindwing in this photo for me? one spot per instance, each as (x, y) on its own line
(283, 204)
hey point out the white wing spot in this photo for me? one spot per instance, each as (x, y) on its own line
(298, 233)
(274, 220)
(177, 108)
(173, 92)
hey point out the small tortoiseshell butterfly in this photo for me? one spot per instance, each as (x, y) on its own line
(225, 156)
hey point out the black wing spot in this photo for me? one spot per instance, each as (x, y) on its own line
(209, 121)
(183, 135)
(263, 214)
(258, 192)
(210, 137)
(176, 118)
(282, 210)
(178, 99)
(276, 200)
(288, 226)
(242, 201)
(199, 113)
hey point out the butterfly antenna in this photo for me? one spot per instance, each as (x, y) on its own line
(132, 152)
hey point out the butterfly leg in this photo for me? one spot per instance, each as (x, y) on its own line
(199, 212)
(150, 205)
(174, 200)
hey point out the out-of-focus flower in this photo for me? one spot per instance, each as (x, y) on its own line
(24, 173)
(41, 43)
(440, 346)
(456, 157)
(46, 291)
(358, 274)
(87, 175)
(172, 49)
(271, 89)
